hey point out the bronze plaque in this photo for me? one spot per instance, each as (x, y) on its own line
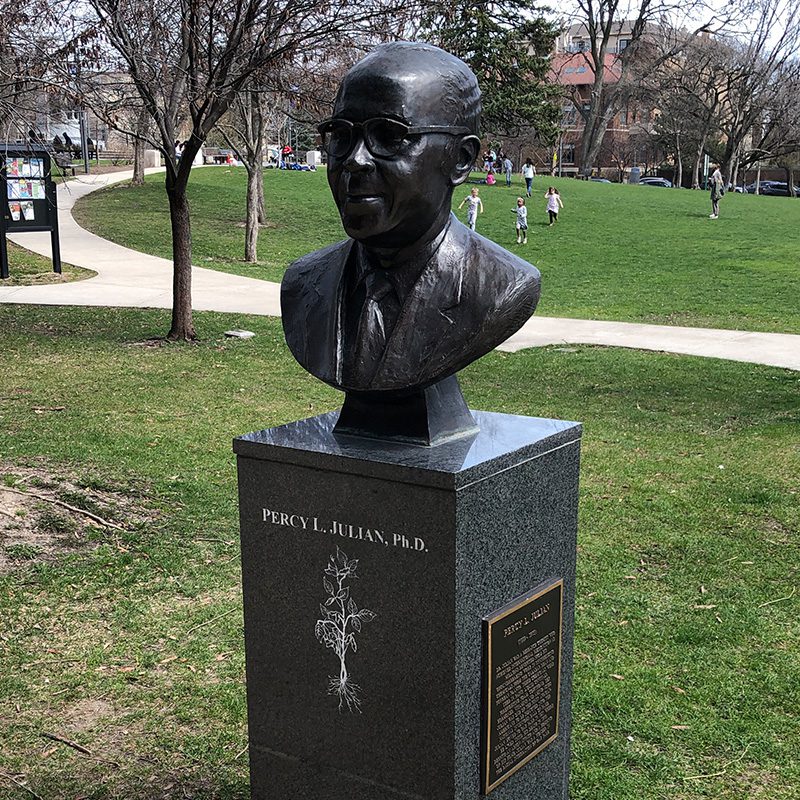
(521, 681)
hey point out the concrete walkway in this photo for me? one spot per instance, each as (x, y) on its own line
(131, 279)
(126, 277)
(773, 349)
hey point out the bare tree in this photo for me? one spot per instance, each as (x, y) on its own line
(188, 62)
(687, 93)
(26, 54)
(654, 30)
(790, 162)
(299, 93)
(635, 146)
(244, 131)
(759, 64)
(673, 129)
(777, 138)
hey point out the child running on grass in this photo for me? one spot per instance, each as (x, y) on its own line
(474, 205)
(522, 221)
(553, 204)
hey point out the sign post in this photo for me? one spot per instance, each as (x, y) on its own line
(3, 248)
(28, 197)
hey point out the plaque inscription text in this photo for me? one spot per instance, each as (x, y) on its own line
(521, 676)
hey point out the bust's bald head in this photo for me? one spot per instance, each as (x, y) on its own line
(445, 90)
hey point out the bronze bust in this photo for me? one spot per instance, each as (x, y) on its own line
(390, 314)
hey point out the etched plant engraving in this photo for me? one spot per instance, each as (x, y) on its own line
(341, 620)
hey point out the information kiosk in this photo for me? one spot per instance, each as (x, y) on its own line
(28, 194)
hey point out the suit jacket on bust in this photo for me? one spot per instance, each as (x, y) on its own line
(469, 298)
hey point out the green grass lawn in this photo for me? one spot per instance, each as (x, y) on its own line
(130, 644)
(619, 252)
(28, 269)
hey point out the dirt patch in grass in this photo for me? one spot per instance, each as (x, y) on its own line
(86, 714)
(30, 269)
(68, 274)
(47, 512)
(758, 783)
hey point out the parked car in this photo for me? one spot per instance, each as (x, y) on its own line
(779, 189)
(656, 182)
(751, 187)
(600, 180)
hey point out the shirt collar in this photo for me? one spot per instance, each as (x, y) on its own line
(404, 268)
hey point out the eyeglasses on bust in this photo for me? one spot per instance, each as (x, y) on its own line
(383, 137)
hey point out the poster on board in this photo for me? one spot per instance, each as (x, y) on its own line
(20, 189)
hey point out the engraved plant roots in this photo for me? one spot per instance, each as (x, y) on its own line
(339, 615)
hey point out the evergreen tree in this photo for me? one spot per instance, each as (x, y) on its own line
(507, 44)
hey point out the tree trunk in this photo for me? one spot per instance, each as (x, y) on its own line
(259, 123)
(790, 181)
(262, 206)
(138, 149)
(758, 179)
(679, 170)
(182, 323)
(251, 223)
(593, 136)
(696, 168)
(138, 162)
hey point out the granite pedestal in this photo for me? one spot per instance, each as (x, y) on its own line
(367, 571)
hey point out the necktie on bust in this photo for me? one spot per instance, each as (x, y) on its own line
(375, 325)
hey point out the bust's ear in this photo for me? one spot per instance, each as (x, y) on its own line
(467, 149)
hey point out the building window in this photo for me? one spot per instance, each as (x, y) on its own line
(567, 153)
(622, 44)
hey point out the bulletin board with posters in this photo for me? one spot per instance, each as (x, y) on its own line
(28, 198)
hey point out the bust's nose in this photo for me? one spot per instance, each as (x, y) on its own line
(360, 159)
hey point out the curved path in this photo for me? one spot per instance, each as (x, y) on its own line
(128, 278)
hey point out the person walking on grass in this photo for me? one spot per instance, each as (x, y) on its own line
(474, 206)
(717, 191)
(522, 221)
(553, 204)
(529, 173)
(508, 168)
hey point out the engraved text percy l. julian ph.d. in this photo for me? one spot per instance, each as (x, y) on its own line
(345, 530)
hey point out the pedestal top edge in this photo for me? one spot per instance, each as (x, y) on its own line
(503, 439)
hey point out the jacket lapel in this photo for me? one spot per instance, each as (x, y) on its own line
(427, 325)
(323, 314)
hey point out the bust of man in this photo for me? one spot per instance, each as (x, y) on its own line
(412, 296)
